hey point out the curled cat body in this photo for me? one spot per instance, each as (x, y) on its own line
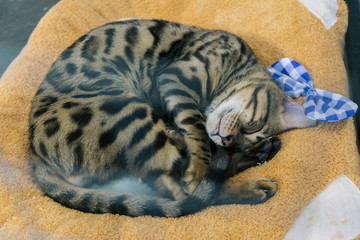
(179, 107)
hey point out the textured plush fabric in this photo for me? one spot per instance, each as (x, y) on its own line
(308, 161)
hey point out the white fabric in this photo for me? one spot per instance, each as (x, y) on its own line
(333, 214)
(323, 9)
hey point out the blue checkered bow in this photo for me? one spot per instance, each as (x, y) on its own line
(319, 104)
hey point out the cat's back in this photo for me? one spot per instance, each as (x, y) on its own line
(122, 55)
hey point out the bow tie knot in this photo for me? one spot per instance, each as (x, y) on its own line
(310, 91)
(318, 104)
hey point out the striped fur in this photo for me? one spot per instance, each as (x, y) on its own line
(147, 99)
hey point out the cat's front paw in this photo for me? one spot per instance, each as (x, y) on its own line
(264, 150)
(258, 154)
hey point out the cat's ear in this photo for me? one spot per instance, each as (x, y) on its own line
(294, 116)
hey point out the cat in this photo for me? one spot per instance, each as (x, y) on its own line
(178, 107)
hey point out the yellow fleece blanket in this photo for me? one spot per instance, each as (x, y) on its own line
(308, 161)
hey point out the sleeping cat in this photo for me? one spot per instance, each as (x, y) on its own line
(178, 107)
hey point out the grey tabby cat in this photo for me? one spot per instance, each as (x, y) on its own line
(182, 108)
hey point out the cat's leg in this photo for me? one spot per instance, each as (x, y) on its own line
(261, 152)
(168, 186)
(254, 191)
(180, 94)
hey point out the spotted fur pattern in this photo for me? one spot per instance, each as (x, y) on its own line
(148, 99)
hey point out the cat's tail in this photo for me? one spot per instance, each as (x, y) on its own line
(98, 201)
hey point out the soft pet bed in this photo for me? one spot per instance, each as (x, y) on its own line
(309, 160)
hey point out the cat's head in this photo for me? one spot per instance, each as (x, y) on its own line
(250, 112)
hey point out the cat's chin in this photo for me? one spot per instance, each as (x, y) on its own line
(212, 125)
(216, 139)
(212, 128)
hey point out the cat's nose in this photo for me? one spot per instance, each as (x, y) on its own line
(227, 140)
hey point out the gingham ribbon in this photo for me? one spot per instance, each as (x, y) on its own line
(319, 104)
